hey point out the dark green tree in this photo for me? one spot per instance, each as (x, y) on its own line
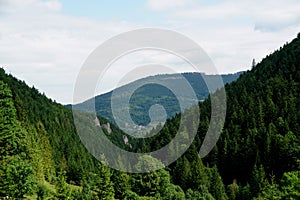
(15, 172)
(217, 188)
(147, 183)
(103, 184)
(121, 184)
(258, 181)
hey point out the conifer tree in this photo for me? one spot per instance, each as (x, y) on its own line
(216, 188)
(103, 184)
(15, 171)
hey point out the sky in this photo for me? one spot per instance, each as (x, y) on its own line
(46, 42)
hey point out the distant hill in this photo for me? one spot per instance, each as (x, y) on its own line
(150, 94)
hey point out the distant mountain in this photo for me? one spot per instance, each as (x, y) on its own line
(150, 94)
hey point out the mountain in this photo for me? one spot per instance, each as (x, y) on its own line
(147, 94)
(258, 153)
(38, 136)
(256, 157)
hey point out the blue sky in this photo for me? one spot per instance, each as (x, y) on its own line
(134, 10)
(45, 42)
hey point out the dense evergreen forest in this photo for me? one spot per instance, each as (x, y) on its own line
(149, 94)
(256, 157)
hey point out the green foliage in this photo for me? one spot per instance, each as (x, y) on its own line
(258, 180)
(147, 183)
(271, 191)
(63, 190)
(19, 178)
(290, 185)
(15, 171)
(216, 187)
(173, 192)
(51, 135)
(154, 184)
(42, 192)
(150, 94)
(121, 184)
(202, 194)
(259, 147)
(103, 184)
(244, 192)
(8, 123)
(232, 190)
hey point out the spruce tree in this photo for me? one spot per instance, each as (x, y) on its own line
(15, 171)
(103, 184)
(217, 188)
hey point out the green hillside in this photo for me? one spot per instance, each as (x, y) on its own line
(41, 133)
(256, 157)
(149, 94)
(258, 153)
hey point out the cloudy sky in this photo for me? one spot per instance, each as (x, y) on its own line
(45, 42)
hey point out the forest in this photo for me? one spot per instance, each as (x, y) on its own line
(256, 157)
(144, 97)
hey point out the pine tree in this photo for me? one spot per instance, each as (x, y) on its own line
(217, 188)
(253, 63)
(198, 174)
(148, 182)
(121, 184)
(258, 181)
(182, 173)
(8, 124)
(15, 171)
(103, 184)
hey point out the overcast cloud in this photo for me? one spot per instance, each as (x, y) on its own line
(46, 47)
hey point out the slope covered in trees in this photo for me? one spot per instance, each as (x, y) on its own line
(42, 156)
(256, 157)
(149, 94)
(258, 152)
(39, 141)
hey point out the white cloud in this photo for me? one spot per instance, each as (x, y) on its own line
(161, 5)
(221, 11)
(233, 32)
(267, 15)
(277, 15)
(45, 48)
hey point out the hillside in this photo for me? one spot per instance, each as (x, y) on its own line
(44, 134)
(149, 94)
(258, 153)
(256, 157)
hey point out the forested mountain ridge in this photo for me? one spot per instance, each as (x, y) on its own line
(149, 94)
(44, 137)
(258, 152)
(256, 157)
(263, 116)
